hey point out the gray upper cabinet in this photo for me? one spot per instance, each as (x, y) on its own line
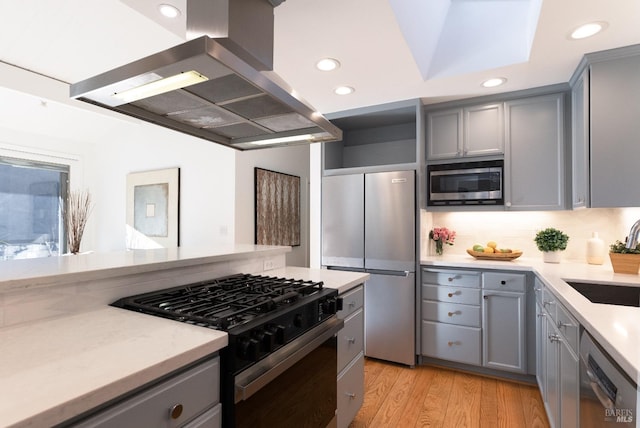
(444, 134)
(615, 129)
(580, 142)
(465, 132)
(534, 153)
(483, 130)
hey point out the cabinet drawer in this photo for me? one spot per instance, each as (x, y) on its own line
(451, 342)
(350, 391)
(504, 281)
(196, 390)
(352, 300)
(568, 326)
(350, 339)
(458, 278)
(444, 293)
(451, 313)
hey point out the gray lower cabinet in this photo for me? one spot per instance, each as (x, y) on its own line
(475, 317)
(540, 338)
(503, 339)
(189, 399)
(503, 321)
(451, 315)
(552, 374)
(350, 389)
(560, 385)
(534, 153)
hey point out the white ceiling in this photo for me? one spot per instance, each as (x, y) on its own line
(76, 39)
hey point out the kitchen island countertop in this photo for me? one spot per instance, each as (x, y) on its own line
(52, 370)
(56, 368)
(616, 328)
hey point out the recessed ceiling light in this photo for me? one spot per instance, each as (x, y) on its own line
(588, 30)
(492, 83)
(327, 64)
(169, 11)
(344, 90)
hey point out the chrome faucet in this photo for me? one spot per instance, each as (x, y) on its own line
(634, 234)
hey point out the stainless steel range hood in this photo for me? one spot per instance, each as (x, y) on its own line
(236, 100)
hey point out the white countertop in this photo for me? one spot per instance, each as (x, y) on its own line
(54, 369)
(616, 328)
(49, 271)
(340, 280)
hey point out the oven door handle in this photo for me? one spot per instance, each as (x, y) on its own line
(251, 380)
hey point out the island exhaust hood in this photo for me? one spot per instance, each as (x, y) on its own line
(219, 85)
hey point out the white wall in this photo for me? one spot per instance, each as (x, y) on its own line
(37, 115)
(289, 160)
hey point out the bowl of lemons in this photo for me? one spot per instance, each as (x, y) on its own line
(491, 251)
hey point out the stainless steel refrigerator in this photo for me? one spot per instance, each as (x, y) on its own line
(368, 224)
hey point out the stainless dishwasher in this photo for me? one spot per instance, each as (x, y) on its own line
(607, 394)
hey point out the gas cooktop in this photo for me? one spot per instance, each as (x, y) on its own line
(224, 303)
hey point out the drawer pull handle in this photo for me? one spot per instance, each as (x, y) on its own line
(176, 411)
(541, 315)
(563, 324)
(537, 290)
(351, 339)
(453, 313)
(350, 395)
(454, 342)
(503, 282)
(554, 338)
(547, 303)
(450, 279)
(352, 304)
(455, 293)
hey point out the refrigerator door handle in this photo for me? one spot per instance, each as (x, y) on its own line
(346, 268)
(404, 273)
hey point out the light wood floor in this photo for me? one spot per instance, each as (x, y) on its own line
(425, 396)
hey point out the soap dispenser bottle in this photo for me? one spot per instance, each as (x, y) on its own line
(595, 250)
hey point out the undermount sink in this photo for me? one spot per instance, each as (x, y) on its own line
(608, 294)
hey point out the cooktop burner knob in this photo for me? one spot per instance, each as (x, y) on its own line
(330, 306)
(248, 349)
(266, 339)
(278, 332)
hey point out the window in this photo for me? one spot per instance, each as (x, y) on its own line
(33, 195)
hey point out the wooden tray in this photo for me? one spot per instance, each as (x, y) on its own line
(495, 256)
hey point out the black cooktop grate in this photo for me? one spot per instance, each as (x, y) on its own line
(223, 303)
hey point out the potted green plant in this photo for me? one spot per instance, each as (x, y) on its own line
(623, 259)
(551, 242)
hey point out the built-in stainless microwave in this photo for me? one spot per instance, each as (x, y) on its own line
(468, 183)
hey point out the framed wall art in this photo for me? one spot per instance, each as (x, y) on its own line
(153, 201)
(277, 208)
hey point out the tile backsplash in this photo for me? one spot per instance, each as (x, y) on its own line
(517, 229)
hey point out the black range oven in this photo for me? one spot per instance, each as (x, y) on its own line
(280, 366)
